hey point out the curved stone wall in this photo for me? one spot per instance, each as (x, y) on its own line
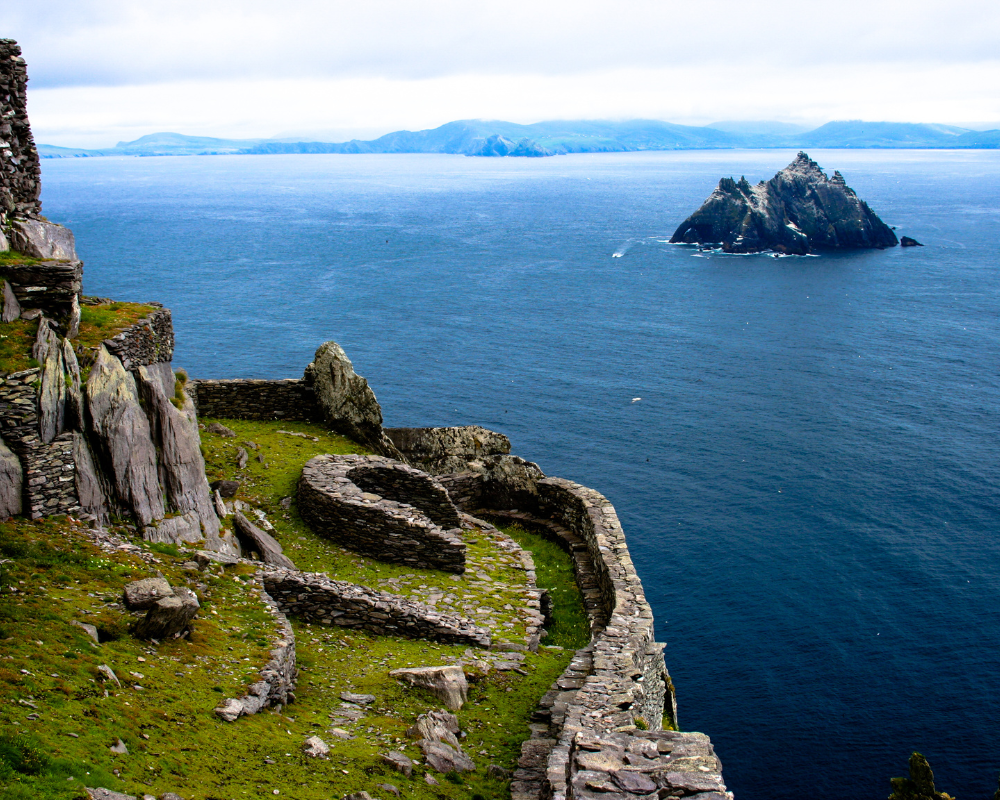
(397, 524)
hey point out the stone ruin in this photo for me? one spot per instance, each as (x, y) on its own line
(382, 508)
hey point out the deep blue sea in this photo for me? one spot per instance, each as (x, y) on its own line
(810, 482)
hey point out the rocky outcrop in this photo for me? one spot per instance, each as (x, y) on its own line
(443, 450)
(11, 478)
(181, 465)
(169, 616)
(796, 212)
(52, 395)
(50, 286)
(906, 241)
(123, 438)
(348, 403)
(43, 240)
(89, 491)
(382, 508)
(437, 734)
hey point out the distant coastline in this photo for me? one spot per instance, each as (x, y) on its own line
(489, 138)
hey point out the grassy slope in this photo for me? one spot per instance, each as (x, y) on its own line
(188, 749)
(97, 323)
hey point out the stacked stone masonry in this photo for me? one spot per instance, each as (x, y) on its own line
(20, 171)
(148, 341)
(49, 471)
(399, 524)
(317, 598)
(47, 285)
(617, 680)
(289, 399)
(276, 686)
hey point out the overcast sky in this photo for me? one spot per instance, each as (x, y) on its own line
(108, 70)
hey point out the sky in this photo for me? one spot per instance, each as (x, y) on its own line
(104, 71)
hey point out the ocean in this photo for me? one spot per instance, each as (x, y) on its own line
(804, 451)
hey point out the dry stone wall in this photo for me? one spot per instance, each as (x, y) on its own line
(288, 399)
(397, 525)
(48, 285)
(20, 170)
(148, 341)
(315, 597)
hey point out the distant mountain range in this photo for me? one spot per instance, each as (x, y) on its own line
(498, 138)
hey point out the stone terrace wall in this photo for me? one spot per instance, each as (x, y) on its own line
(277, 678)
(20, 171)
(315, 597)
(48, 285)
(49, 480)
(288, 399)
(148, 341)
(382, 527)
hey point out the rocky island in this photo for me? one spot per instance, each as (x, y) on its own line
(797, 212)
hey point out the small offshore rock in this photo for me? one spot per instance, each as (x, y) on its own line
(225, 488)
(314, 747)
(906, 241)
(399, 762)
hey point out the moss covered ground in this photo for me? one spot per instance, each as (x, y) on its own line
(97, 323)
(175, 742)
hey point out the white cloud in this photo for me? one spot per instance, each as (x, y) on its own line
(256, 67)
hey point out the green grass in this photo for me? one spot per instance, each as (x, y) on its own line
(12, 257)
(98, 323)
(47, 662)
(16, 339)
(554, 571)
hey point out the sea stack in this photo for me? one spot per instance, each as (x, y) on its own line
(796, 212)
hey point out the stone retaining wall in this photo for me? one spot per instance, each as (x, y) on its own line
(148, 341)
(277, 678)
(395, 527)
(49, 470)
(616, 685)
(288, 399)
(317, 598)
(48, 285)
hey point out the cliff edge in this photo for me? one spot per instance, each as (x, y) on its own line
(799, 210)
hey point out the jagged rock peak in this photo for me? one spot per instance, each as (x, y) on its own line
(799, 210)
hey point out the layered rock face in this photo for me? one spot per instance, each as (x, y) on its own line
(348, 403)
(799, 210)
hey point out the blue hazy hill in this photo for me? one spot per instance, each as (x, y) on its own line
(478, 138)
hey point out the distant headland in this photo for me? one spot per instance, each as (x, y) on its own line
(558, 137)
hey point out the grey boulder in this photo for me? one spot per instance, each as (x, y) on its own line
(445, 758)
(314, 747)
(106, 794)
(141, 595)
(43, 240)
(399, 762)
(253, 538)
(348, 403)
(169, 616)
(447, 683)
(436, 726)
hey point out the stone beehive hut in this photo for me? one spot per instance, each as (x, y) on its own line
(20, 173)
